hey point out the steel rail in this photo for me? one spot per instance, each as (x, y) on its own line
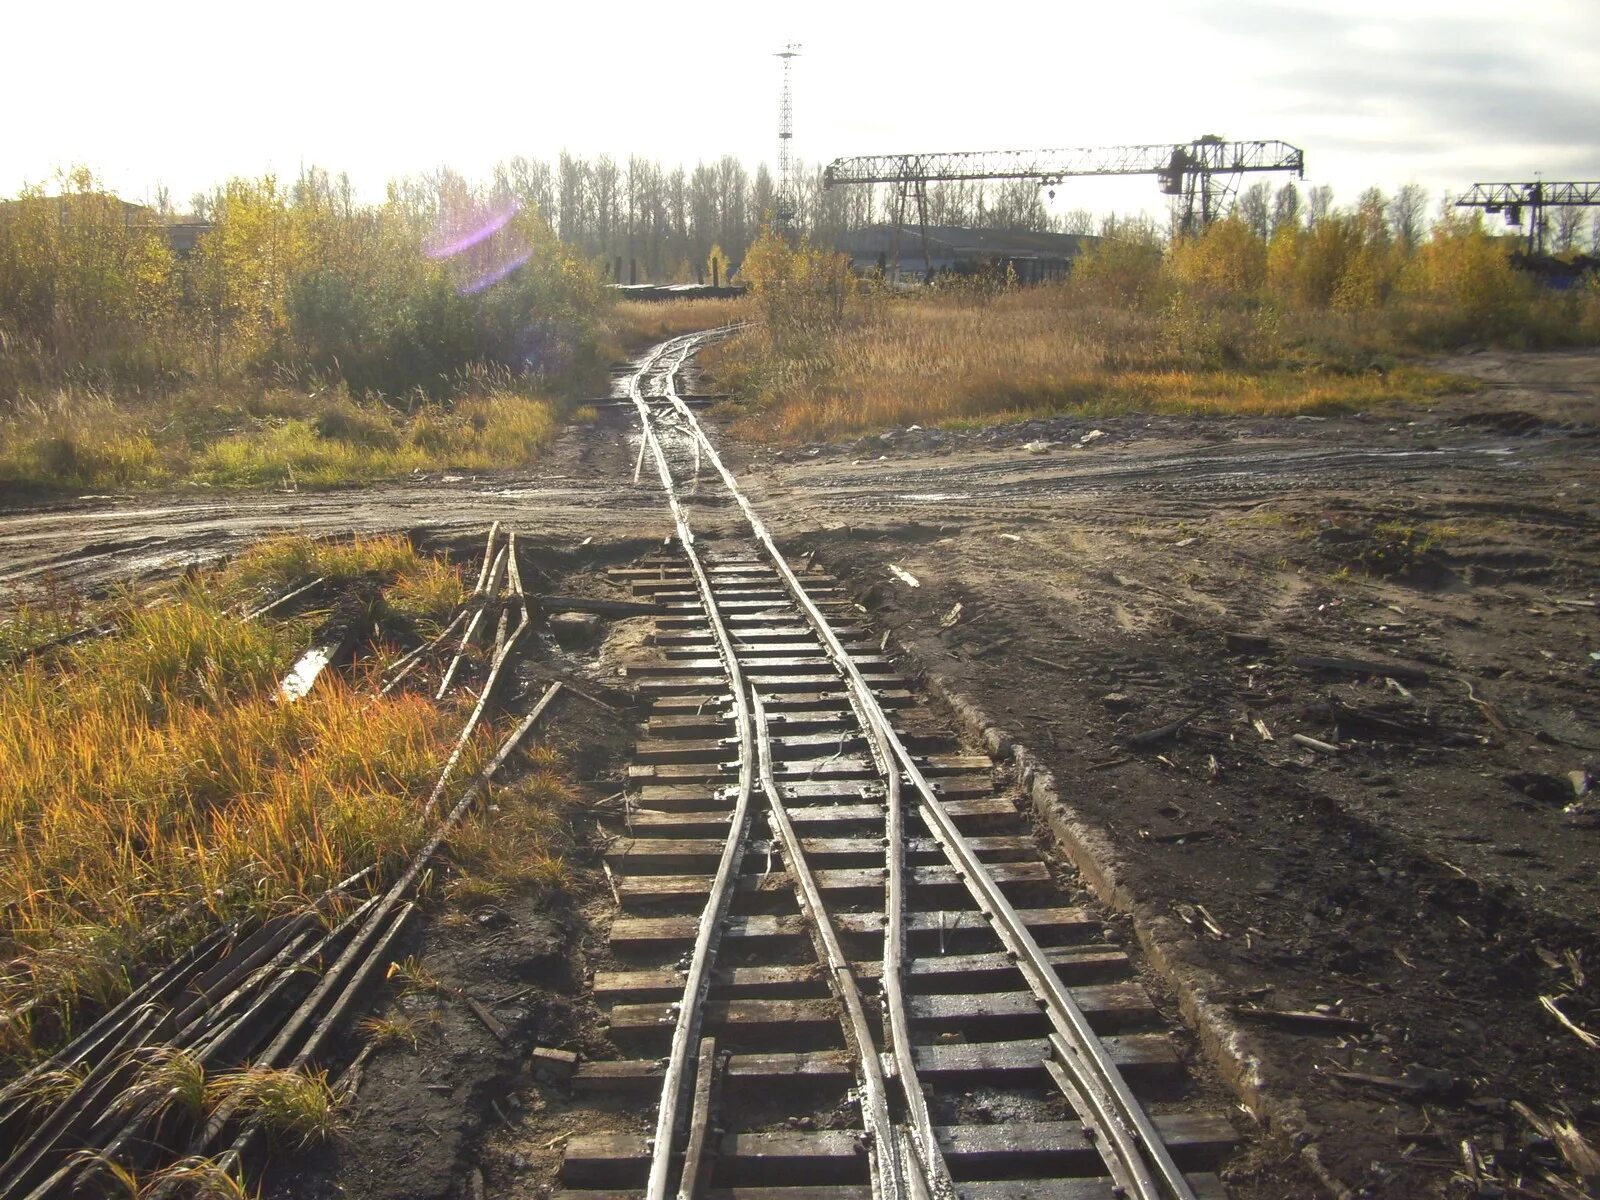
(883, 1147)
(406, 663)
(679, 1074)
(501, 657)
(378, 917)
(925, 1143)
(915, 1156)
(487, 594)
(1127, 1140)
(270, 968)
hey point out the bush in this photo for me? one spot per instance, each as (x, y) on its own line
(1121, 272)
(370, 427)
(799, 291)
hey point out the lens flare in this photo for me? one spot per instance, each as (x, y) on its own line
(495, 274)
(480, 243)
(467, 229)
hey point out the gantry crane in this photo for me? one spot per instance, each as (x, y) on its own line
(1535, 197)
(1204, 172)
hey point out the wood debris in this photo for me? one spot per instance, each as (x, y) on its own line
(1300, 1022)
(904, 576)
(1583, 1035)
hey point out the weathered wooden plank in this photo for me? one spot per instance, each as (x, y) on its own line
(785, 748)
(775, 631)
(714, 699)
(701, 797)
(759, 607)
(758, 667)
(731, 588)
(1197, 1142)
(1109, 1008)
(1147, 1061)
(845, 766)
(799, 647)
(680, 569)
(673, 856)
(713, 686)
(695, 739)
(774, 614)
(799, 980)
(915, 724)
(935, 884)
(683, 823)
(648, 932)
(740, 1021)
(685, 582)
(1075, 965)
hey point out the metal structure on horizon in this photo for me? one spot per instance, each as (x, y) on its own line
(1204, 173)
(785, 209)
(1513, 198)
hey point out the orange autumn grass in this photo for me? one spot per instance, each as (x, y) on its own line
(937, 360)
(154, 774)
(632, 325)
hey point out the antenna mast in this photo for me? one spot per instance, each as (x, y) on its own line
(784, 215)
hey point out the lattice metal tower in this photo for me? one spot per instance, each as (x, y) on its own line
(784, 214)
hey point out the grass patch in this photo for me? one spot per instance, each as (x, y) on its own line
(81, 441)
(956, 361)
(631, 325)
(1397, 547)
(399, 1029)
(521, 842)
(152, 777)
(37, 616)
(298, 1108)
(413, 978)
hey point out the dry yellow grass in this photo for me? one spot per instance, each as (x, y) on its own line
(635, 324)
(942, 360)
(86, 439)
(154, 774)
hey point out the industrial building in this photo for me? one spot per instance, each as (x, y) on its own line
(1035, 257)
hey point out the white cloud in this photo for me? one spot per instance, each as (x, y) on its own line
(190, 93)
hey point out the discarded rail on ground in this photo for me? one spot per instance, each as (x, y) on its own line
(257, 994)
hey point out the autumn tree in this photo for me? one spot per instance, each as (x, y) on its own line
(1255, 208)
(1286, 207)
(1408, 215)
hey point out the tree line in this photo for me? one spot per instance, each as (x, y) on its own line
(663, 224)
(299, 281)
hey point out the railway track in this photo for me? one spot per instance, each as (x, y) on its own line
(840, 960)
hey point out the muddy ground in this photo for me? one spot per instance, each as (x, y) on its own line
(1429, 875)
(1433, 876)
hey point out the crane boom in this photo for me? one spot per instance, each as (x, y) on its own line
(1209, 155)
(1512, 198)
(1493, 196)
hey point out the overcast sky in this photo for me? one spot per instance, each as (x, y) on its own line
(1375, 91)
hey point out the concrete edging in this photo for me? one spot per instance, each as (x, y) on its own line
(1227, 1046)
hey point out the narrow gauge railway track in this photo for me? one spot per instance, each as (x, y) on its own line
(845, 967)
